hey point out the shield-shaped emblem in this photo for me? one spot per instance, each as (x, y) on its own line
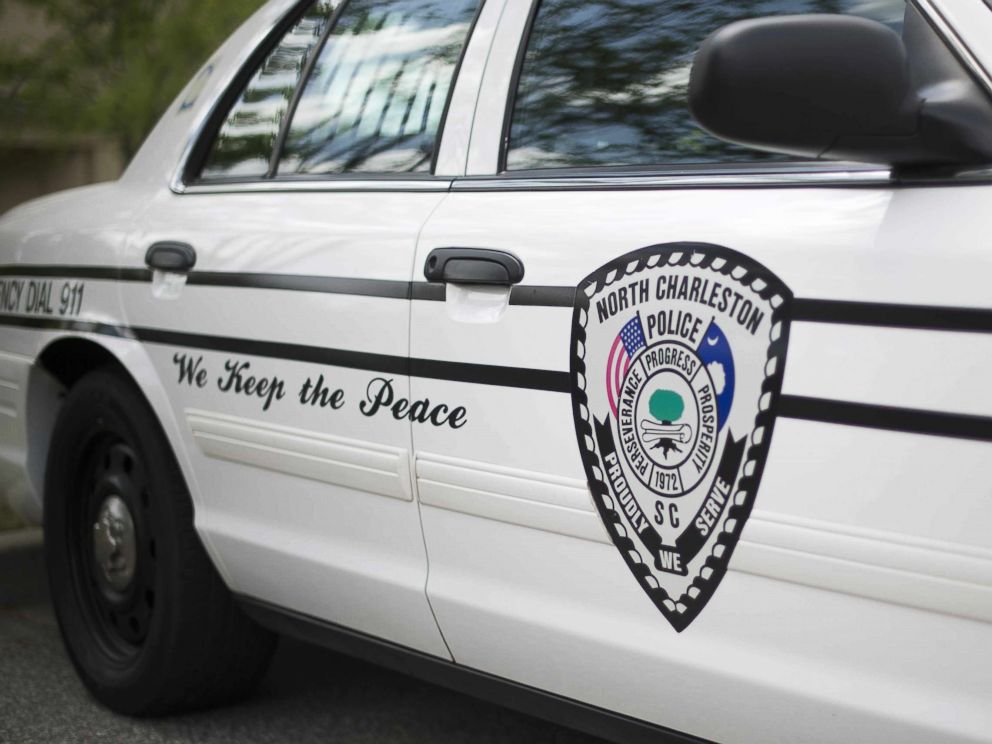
(678, 352)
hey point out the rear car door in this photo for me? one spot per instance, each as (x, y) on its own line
(806, 340)
(300, 205)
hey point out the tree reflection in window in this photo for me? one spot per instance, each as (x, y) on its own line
(604, 82)
(378, 90)
(243, 147)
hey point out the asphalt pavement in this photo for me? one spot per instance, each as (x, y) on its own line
(309, 694)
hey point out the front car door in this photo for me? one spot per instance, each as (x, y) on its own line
(301, 206)
(810, 339)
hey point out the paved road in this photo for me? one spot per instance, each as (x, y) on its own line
(309, 695)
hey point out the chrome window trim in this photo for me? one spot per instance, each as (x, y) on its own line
(881, 177)
(861, 178)
(417, 185)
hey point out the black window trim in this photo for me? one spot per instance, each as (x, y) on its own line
(511, 96)
(188, 176)
(287, 120)
(981, 76)
(807, 172)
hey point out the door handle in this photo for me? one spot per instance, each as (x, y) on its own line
(473, 266)
(176, 258)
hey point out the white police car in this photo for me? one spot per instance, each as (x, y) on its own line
(541, 348)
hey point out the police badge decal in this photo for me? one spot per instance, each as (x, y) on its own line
(677, 357)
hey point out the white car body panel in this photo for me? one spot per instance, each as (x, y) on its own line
(845, 509)
(82, 227)
(858, 605)
(456, 138)
(356, 554)
(487, 126)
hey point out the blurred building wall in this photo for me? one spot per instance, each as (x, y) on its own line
(33, 166)
(39, 162)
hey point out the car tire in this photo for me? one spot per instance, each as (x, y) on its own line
(146, 619)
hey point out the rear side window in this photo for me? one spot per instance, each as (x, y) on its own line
(244, 145)
(378, 91)
(605, 82)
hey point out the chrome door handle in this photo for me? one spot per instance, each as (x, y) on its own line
(473, 266)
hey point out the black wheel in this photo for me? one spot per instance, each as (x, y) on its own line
(146, 619)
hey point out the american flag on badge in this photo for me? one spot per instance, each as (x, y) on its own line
(629, 341)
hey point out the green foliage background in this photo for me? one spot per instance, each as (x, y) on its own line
(110, 67)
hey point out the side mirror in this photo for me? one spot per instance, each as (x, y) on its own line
(840, 88)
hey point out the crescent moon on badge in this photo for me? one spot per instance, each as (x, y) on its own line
(713, 341)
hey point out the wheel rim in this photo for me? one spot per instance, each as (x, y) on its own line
(112, 545)
(114, 548)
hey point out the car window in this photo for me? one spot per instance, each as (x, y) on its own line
(605, 82)
(378, 91)
(244, 145)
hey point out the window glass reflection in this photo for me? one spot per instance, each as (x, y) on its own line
(378, 90)
(244, 145)
(605, 82)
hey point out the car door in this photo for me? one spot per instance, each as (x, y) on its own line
(844, 590)
(301, 215)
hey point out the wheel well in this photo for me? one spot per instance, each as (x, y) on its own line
(60, 366)
(69, 359)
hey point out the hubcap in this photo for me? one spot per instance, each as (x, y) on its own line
(114, 544)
